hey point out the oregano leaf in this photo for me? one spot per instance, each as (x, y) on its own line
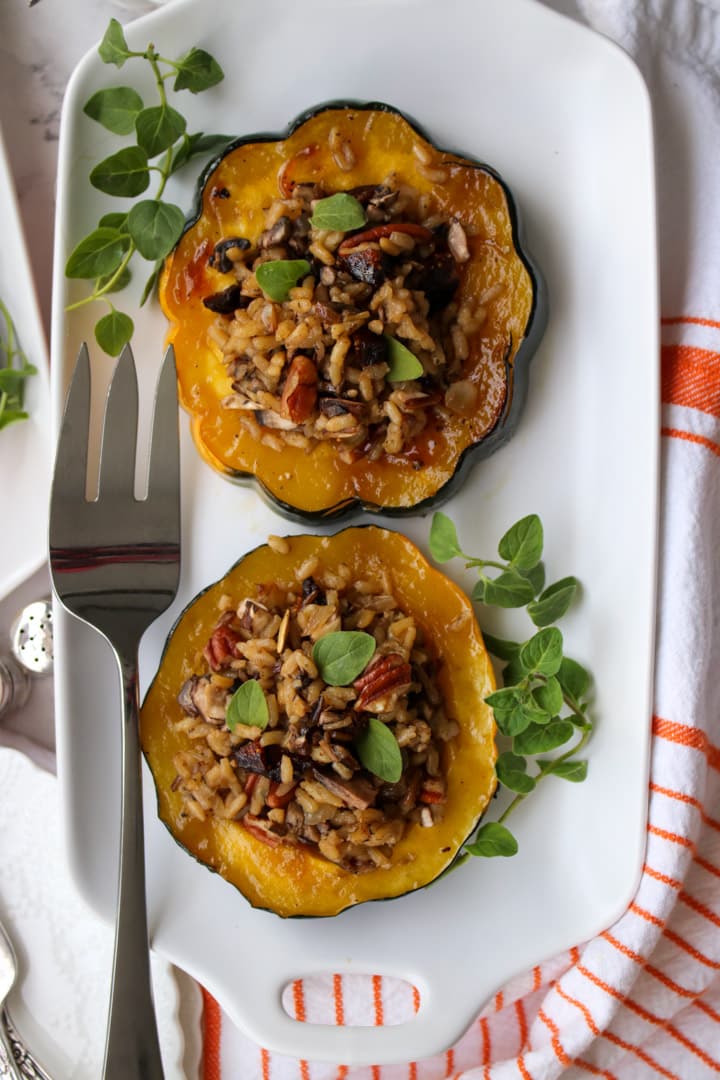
(118, 283)
(574, 678)
(123, 173)
(197, 71)
(549, 696)
(511, 772)
(522, 544)
(540, 739)
(553, 602)
(508, 590)
(343, 655)
(536, 577)
(278, 276)
(248, 706)
(113, 48)
(97, 254)
(113, 332)
(151, 283)
(574, 771)
(378, 751)
(158, 128)
(338, 213)
(443, 542)
(504, 650)
(492, 840)
(155, 227)
(196, 144)
(543, 652)
(404, 364)
(115, 108)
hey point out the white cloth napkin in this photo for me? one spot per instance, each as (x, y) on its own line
(642, 999)
(59, 1005)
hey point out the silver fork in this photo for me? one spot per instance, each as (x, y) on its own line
(16, 1061)
(115, 564)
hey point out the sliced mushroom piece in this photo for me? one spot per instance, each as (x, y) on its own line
(227, 301)
(330, 406)
(210, 700)
(279, 233)
(247, 610)
(357, 793)
(185, 697)
(367, 263)
(367, 349)
(271, 419)
(437, 277)
(220, 259)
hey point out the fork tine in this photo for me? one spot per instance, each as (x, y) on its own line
(164, 472)
(71, 461)
(119, 438)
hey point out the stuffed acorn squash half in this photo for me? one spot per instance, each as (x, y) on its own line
(353, 314)
(316, 730)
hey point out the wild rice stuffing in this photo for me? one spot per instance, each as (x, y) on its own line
(314, 366)
(299, 780)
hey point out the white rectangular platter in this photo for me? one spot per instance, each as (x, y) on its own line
(564, 116)
(25, 446)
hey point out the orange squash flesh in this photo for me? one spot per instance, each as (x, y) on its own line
(384, 143)
(294, 881)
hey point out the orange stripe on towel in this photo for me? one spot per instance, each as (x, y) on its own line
(522, 1023)
(691, 377)
(298, 993)
(699, 440)
(555, 1038)
(650, 1018)
(377, 1000)
(674, 838)
(673, 320)
(688, 736)
(212, 1026)
(594, 1069)
(339, 1002)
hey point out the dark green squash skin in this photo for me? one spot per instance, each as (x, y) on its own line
(461, 856)
(518, 375)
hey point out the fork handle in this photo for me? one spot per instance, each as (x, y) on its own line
(132, 1050)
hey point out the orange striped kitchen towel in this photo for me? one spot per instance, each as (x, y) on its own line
(641, 1000)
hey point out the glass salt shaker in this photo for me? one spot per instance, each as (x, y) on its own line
(31, 654)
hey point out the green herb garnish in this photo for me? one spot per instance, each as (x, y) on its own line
(14, 370)
(278, 276)
(403, 364)
(542, 704)
(340, 657)
(248, 705)
(338, 213)
(378, 751)
(153, 226)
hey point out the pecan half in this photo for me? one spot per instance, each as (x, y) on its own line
(300, 391)
(385, 675)
(261, 830)
(220, 649)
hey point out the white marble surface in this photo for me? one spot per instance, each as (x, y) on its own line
(39, 48)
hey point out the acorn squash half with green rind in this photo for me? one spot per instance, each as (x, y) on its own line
(499, 276)
(295, 880)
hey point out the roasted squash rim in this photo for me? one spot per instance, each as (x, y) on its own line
(457, 859)
(517, 373)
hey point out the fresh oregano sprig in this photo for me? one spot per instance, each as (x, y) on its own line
(152, 226)
(14, 371)
(543, 703)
